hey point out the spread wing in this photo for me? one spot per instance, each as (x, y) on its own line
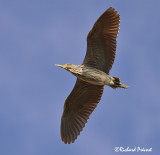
(101, 41)
(77, 108)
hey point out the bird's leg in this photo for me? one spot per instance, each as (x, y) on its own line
(116, 83)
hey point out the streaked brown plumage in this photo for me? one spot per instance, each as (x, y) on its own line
(92, 75)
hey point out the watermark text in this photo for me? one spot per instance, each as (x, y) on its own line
(134, 149)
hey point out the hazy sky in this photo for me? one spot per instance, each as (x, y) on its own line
(35, 35)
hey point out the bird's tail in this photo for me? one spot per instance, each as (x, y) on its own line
(117, 83)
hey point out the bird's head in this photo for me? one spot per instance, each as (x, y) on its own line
(68, 67)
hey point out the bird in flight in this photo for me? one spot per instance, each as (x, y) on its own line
(91, 75)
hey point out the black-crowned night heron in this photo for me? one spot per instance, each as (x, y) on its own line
(91, 75)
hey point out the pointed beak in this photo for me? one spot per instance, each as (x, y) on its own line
(62, 66)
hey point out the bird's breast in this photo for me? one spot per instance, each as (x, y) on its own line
(94, 76)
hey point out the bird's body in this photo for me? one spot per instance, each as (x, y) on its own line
(94, 76)
(91, 75)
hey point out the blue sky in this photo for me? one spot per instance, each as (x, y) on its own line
(35, 35)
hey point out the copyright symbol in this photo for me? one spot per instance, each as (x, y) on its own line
(116, 149)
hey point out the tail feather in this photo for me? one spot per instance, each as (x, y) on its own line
(117, 83)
